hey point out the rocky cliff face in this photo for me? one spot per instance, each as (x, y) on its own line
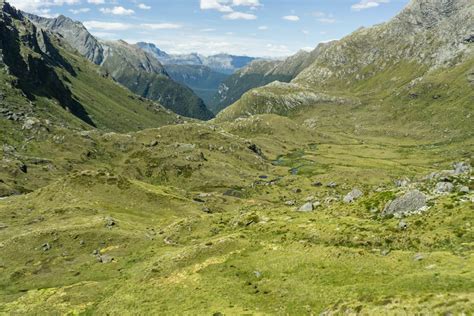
(45, 83)
(75, 33)
(430, 33)
(129, 65)
(387, 59)
(145, 75)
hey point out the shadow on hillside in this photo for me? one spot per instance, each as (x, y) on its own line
(35, 72)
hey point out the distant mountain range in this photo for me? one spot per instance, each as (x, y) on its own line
(223, 63)
(203, 74)
(134, 68)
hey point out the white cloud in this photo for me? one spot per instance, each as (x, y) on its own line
(292, 18)
(247, 3)
(81, 10)
(324, 17)
(117, 11)
(107, 26)
(210, 44)
(117, 26)
(227, 6)
(367, 4)
(161, 26)
(215, 5)
(96, 1)
(144, 6)
(239, 16)
(263, 28)
(41, 7)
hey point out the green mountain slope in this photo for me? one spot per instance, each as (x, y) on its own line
(145, 76)
(135, 69)
(201, 79)
(260, 73)
(43, 76)
(387, 69)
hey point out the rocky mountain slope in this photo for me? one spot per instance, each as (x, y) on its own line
(75, 33)
(260, 73)
(223, 63)
(145, 75)
(43, 78)
(202, 80)
(421, 58)
(133, 68)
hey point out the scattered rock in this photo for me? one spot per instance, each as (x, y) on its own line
(153, 143)
(290, 203)
(105, 258)
(234, 193)
(402, 225)
(461, 168)
(353, 196)
(308, 207)
(464, 189)
(258, 274)
(207, 210)
(444, 187)
(317, 184)
(30, 123)
(418, 257)
(3, 226)
(46, 246)
(411, 202)
(401, 183)
(256, 149)
(332, 185)
(296, 190)
(23, 168)
(110, 222)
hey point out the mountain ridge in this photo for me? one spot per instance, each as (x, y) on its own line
(409, 45)
(154, 81)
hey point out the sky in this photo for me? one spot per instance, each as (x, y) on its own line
(259, 28)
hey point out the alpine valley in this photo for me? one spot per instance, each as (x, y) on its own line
(333, 182)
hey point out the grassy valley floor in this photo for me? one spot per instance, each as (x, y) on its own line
(204, 219)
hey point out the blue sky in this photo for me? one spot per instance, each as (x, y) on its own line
(243, 27)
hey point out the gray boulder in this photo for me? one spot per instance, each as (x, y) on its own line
(353, 196)
(409, 203)
(444, 187)
(105, 258)
(401, 183)
(464, 189)
(308, 207)
(461, 168)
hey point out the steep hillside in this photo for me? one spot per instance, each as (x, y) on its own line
(43, 77)
(258, 74)
(202, 80)
(144, 75)
(399, 71)
(75, 33)
(131, 67)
